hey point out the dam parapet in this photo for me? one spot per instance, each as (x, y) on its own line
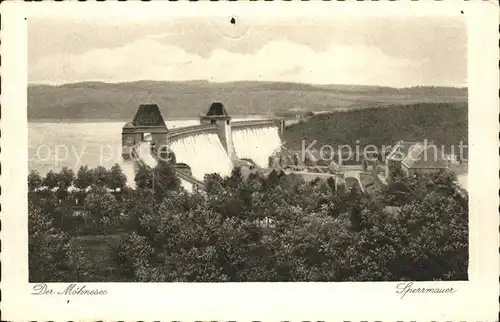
(176, 134)
(256, 123)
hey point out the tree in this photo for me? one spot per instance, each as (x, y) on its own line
(197, 244)
(424, 240)
(444, 182)
(116, 178)
(45, 200)
(131, 255)
(103, 209)
(270, 161)
(84, 178)
(235, 179)
(100, 176)
(310, 248)
(395, 172)
(51, 180)
(274, 228)
(100, 202)
(143, 178)
(355, 218)
(171, 157)
(274, 178)
(282, 161)
(365, 165)
(66, 177)
(34, 180)
(62, 191)
(165, 178)
(136, 204)
(331, 183)
(309, 161)
(50, 254)
(213, 183)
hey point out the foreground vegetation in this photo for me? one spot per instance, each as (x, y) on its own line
(274, 228)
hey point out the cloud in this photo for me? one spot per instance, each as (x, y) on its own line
(163, 35)
(280, 60)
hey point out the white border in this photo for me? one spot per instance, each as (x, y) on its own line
(475, 300)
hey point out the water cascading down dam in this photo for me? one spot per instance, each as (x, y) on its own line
(204, 153)
(214, 146)
(256, 143)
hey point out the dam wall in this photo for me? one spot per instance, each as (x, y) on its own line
(214, 146)
(256, 140)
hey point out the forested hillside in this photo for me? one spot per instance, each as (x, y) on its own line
(443, 123)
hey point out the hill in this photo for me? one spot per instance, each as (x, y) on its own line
(98, 100)
(444, 123)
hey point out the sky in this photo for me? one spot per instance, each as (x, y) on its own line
(393, 51)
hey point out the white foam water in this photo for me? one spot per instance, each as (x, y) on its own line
(256, 144)
(128, 169)
(204, 153)
(144, 152)
(187, 185)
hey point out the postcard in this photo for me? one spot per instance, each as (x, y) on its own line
(250, 161)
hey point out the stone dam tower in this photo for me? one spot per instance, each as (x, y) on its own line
(218, 116)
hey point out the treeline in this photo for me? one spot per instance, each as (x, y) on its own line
(66, 178)
(259, 228)
(95, 191)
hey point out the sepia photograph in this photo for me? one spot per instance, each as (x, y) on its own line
(245, 149)
(249, 161)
